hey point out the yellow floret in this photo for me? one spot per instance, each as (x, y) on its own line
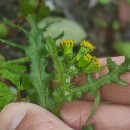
(88, 45)
(96, 61)
(67, 43)
(88, 57)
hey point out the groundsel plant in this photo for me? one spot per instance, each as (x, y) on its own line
(28, 74)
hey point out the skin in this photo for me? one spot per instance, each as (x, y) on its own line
(113, 116)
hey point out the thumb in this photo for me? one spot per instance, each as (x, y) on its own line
(27, 116)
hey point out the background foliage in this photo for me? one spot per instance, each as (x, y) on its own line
(105, 22)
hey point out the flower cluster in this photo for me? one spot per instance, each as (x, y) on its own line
(83, 60)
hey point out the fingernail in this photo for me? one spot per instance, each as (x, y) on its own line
(11, 116)
(17, 119)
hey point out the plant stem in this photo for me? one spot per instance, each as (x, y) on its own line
(94, 108)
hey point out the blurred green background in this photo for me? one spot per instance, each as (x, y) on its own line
(105, 23)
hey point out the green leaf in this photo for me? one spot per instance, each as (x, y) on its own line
(35, 51)
(13, 72)
(42, 12)
(60, 36)
(127, 62)
(121, 82)
(116, 25)
(28, 6)
(122, 47)
(128, 1)
(3, 30)
(12, 44)
(8, 22)
(2, 61)
(58, 65)
(100, 22)
(104, 2)
(6, 96)
(26, 84)
(33, 7)
(88, 127)
(110, 64)
(72, 30)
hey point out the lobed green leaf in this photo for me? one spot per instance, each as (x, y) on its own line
(6, 96)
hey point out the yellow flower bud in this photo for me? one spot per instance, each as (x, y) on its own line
(94, 66)
(87, 45)
(84, 61)
(85, 48)
(67, 46)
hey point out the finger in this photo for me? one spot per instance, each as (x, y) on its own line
(107, 117)
(113, 92)
(27, 116)
(116, 93)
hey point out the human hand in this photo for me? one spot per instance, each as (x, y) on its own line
(116, 116)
